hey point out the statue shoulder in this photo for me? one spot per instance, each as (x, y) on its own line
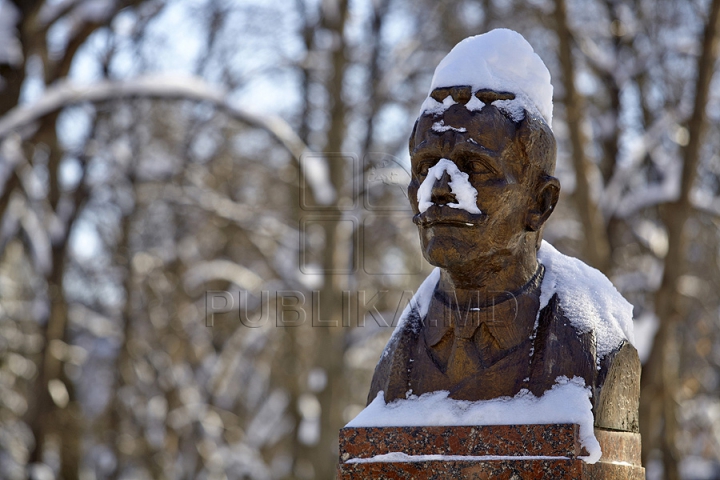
(562, 349)
(587, 299)
(391, 371)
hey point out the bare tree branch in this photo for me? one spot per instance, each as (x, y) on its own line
(66, 94)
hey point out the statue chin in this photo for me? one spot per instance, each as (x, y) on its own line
(437, 255)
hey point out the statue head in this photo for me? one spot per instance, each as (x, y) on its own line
(483, 155)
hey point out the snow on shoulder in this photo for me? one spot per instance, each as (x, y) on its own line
(567, 402)
(419, 303)
(588, 299)
(500, 60)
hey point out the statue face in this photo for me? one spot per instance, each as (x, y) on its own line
(457, 229)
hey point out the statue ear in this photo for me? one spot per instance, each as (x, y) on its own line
(544, 203)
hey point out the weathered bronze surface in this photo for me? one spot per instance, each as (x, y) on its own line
(479, 339)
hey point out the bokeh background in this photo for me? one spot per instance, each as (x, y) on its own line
(153, 152)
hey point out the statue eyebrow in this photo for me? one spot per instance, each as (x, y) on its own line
(485, 155)
(488, 157)
(474, 147)
(423, 152)
(419, 146)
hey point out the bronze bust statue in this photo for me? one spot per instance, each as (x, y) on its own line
(482, 188)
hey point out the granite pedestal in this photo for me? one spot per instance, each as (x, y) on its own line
(509, 452)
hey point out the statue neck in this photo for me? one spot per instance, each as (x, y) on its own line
(492, 277)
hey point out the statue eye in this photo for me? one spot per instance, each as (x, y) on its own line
(423, 168)
(475, 166)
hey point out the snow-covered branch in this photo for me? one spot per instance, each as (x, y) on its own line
(239, 275)
(158, 87)
(171, 88)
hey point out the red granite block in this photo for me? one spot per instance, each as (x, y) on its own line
(559, 440)
(485, 470)
(493, 469)
(558, 445)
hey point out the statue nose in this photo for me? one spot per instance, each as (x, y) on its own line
(441, 193)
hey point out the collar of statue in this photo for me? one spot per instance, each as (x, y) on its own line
(532, 287)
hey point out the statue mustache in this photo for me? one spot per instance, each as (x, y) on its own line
(441, 214)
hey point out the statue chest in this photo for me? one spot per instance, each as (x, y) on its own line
(474, 352)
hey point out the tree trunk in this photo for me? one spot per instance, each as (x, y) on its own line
(660, 376)
(597, 248)
(330, 340)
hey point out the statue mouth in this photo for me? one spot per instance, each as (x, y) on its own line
(438, 215)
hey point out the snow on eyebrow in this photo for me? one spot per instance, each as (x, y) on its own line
(460, 186)
(432, 106)
(441, 127)
(475, 104)
(512, 108)
(500, 60)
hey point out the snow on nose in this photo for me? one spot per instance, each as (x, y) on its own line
(460, 186)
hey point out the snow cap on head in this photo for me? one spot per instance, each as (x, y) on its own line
(500, 60)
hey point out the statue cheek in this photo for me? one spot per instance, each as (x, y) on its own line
(412, 194)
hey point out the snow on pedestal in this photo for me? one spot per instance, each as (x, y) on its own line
(566, 402)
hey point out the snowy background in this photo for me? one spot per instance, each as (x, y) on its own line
(154, 150)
